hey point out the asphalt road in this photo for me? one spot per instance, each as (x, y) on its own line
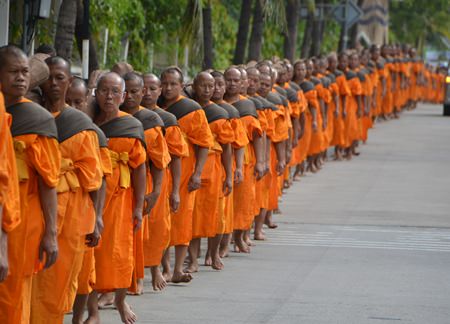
(365, 241)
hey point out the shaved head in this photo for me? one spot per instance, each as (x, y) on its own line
(58, 60)
(111, 76)
(10, 51)
(151, 77)
(203, 76)
(133, 76)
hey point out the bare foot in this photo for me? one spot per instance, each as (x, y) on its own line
(217, 264)
(192, 268)
(139, 288)
(270, 224)
(167, 276)
(248, 241)
(106, 300)
(181, 277)
(286, 184)
(158, 281)
(126, 314)
(241, 247)
(93, 319)
(259, 236)
(224, 251)
(208, 260)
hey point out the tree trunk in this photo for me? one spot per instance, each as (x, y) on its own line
(244, 26)
(93, 60)
(290, 38)
(65, 29)
(307, 39)
(254, 50)
(208, 55)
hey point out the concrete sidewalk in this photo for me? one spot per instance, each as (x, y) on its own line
(365, 241)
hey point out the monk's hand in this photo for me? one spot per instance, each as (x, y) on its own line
(336, 113)
(49, 249)
(314, 126)
(3, 256)
(324, 125)
(344, 113)
(238, 176)
(93, 239)
(137, 218)
(227, 186)
(259, 170)
(194, 182)
(150, 201)
(280, 167)
(174, 201)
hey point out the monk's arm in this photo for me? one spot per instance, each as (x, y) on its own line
(336, 104)
(314, 118)
(175, 170)
(157, 178)
(296, 127)
(301, 125)
(227, 162)
(3, 250)
(49, 205)
(344, 106)
(139, 186)
(98, 199)
(239, 173)
(359, 102)
(323, 111)
(201, 154)
(281, 156)
(258, 145)
(267, 162)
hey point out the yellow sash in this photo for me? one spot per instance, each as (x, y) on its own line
(22, 168)
(121, 160)
(68, 180)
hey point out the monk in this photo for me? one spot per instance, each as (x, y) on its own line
(193, 123)
(206, 215)
(9, 189)
(33, 243)
(238, 145)
(54, 290)
(341, 91)
(125, 191)
(158, 239)
(77, 97)
(158, 158)
(253, 169)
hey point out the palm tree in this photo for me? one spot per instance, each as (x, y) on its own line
(65, 29)
(290, 37)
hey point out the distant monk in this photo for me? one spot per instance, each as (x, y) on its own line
(158, 159)
(38, 165)
(158, 239)
(206, 214)
(193, 123)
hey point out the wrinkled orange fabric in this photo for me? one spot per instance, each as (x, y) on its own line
(315, 146)
(157, 239)
(158, 156)
(297, 153)
(261, 188)
(352, 120)
(42, 158)
(240, 140)
(86, 277)
(387, 100)
(196, 131)
(54, 289)
(244, 193)
(114, 256)
(206, 207)
(339, 134)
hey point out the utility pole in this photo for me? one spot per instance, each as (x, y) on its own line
(4, 22)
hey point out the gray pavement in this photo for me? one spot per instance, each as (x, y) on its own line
(366, 241)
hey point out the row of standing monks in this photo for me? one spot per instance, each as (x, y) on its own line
(96, 185)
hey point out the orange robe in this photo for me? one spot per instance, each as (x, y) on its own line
(157, 238)
(240, 140)
(194, 126)
(114, 260)
(297, 152)
(36, 156)
(339, 138)
(54, 289)
(87, 276)
(244, 197)
(158, 156)
(352, 120)
(315, 146)
(205, 218)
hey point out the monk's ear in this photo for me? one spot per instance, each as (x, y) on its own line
(124, 94)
